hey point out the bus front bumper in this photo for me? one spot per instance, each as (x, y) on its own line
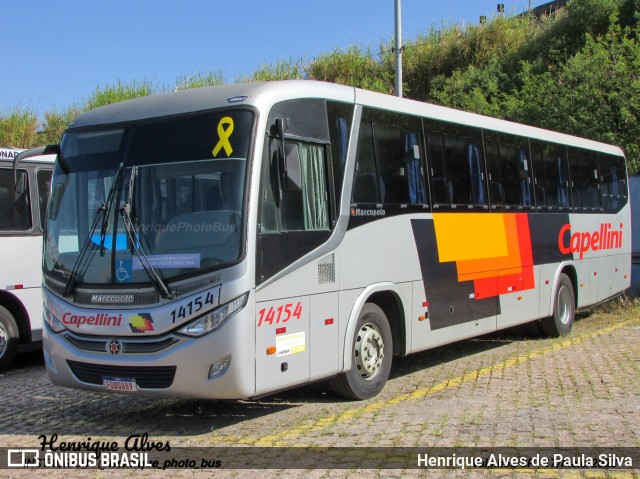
(218, 365)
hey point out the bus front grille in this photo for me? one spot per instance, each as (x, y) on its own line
(128, 346)
(147, 377)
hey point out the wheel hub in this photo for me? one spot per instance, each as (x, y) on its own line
(564, 305)
(369, 351)
(4, 338)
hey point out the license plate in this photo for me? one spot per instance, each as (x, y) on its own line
(119, 384)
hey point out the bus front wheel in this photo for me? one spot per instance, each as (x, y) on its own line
(564, 309)
(9, 339)
(371, 355)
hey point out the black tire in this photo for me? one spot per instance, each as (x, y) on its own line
(9, 339)
(564, 309)
(371, 355)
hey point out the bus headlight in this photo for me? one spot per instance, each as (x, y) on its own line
(54, 323)
(214, 319)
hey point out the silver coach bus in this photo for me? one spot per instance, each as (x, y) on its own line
(233, 241)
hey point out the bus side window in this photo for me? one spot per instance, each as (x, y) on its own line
(537, 161)
(463, 161)
(414, 167)
(551, 175)
(308, 139)
(389, 149)
(397, 141)
(15, 204)
(496, 191)
(389, 164)
(269, 188)
(303, 210)
(614, 186)
(441, 186)
(456, 160)
(314, 194)
(509, 171)
(340, 116)
(563, 177)
(585, 179)
(366, 187)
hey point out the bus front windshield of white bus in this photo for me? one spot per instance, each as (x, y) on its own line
(149, 202)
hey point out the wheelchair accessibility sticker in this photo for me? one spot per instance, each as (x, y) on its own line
(123, 271)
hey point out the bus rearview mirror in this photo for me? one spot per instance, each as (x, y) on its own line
(291, 169)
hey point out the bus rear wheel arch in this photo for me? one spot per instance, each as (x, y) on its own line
(561, 320)
(9, 339)
(371, 356)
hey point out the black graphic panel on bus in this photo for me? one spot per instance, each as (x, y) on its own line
(451, 301)
(545, 237)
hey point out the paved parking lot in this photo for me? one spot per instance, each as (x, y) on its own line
(510, 389)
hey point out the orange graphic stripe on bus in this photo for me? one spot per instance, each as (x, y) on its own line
(494, 250)
(486, 266)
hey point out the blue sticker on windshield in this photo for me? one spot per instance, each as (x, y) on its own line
(168, 261)
(121, 241)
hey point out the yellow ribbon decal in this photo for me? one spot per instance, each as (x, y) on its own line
(225, 128)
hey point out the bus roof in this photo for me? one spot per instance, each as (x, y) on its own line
(263, 95)
(207, 98)
(41, 154)
(32, 155)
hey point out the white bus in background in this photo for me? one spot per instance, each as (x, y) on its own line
(25, 178)
(233, 241)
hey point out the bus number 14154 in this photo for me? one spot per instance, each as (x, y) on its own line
(281, 314)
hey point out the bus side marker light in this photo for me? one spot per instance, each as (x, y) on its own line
(281, 330)
(546, 282)
(595, 273)
(328, 322)
(422, 318)
(582, 285)
(14, 286)
(519, 298)
(271, 350)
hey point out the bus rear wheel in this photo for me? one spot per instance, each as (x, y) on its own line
(564, 309)
(371, 355)
(9, 339)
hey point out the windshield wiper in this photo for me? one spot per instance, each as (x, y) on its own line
(125, 211)
(103, 211)
(110, 199)
(68, 289)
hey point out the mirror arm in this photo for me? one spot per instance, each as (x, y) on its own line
(281, 128)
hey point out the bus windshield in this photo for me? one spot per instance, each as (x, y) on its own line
(149, 202)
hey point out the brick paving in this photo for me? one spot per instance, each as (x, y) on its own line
(510, 389)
